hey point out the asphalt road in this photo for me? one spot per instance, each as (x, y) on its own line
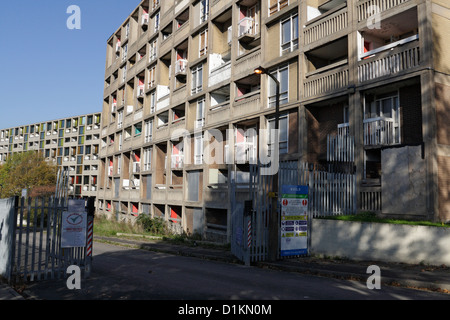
(121, 273)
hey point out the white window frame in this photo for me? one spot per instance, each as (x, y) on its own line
(204, 10)
(292, 43)
(198, 149)
(200, 113)
(125, 52)
(151, 77)
(148, 130)
(284, 95)
(147, 159)
(157, 21)
(120, 119)
(271, 125)
(203, 47)
(153, 50)
(197, 82)
(153, 101)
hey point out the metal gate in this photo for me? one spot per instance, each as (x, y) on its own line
(330, 193)
(36, 251)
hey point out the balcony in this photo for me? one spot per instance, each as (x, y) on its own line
(247, 104)
(390, 59)
(140, 91)
(247, 63)
(247, 30)
(326, 24)
(136, 167)
(220, 74)
(379, 131)
(326, 80)
(177, 161)
(365, 7)
(180, 67)
(145, 19)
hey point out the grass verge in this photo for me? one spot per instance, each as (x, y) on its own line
(372, 217)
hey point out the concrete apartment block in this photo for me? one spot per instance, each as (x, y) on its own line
(71, 143)
(374, 69)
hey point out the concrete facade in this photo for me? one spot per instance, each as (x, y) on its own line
(345, 69)
(70, 143)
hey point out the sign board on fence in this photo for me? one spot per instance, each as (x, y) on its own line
(74, 222)
(294, 220)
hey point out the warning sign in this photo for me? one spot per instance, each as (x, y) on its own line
(74, 222)
(294, 220)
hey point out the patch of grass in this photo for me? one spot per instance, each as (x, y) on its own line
(110, 227)
(372, 217)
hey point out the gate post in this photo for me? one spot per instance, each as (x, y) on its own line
(90, 208)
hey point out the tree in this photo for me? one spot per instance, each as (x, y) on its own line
(27, 170)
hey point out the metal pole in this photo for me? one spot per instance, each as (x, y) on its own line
(273, 220)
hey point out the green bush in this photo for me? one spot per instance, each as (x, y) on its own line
(151, 225)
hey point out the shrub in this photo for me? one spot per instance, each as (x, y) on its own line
(152, 225)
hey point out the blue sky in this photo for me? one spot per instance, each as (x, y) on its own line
(49, 71)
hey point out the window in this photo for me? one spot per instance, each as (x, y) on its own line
(283, 134)
(197, 79)
(152, 51)
(152, 102)
(203, 42)
(277, 5)
(204, 8)
(157, 22)
(148, 130)
(125, 52)
(120, 119)
(382, 118)
(282, 74)
(198, 149)
(151, 76)
(200, 114)
(124, 73)
(147, 159)
(289, 34)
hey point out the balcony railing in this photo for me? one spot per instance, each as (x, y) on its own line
(177, 161)
(379, 131)
(368, 8)
(145, 18)
(390, 59)
(326, 25)
(245, 152)
(247, 26)
(180, 66)
(325, 82)
(136, 167)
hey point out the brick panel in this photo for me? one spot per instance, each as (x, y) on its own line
(444, 187)
(442, 93)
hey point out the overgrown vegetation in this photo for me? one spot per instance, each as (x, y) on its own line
(373, 217)
(144, 225)
(27, 170)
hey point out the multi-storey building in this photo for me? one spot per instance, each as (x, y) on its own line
(372, 69)
(70, 143)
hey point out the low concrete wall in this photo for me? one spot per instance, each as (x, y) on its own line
(381, 242)
(6, 235)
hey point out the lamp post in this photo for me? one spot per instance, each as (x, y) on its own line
(273, 218)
